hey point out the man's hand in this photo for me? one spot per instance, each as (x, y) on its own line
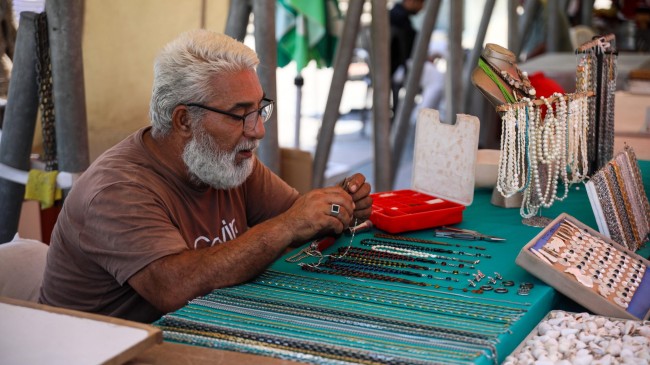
(359, 189)
(329, 211)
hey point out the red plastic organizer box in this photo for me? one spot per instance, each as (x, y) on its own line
(408, 210)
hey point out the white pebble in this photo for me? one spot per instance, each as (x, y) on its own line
(615, 332)
(640, 340)
(614, 348)
(581, 338)
(553, 334)
(543, 328)
(605, 360)
(544, 362)
(591, 326)
(568, 331)
(564, 347)
(538, 353)
(583, 360)
(585, 337)
(595, 349)
(626, 352)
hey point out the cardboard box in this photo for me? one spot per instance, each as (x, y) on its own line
(555, 273)
(444, 167)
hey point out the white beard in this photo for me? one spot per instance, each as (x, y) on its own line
(208, 164)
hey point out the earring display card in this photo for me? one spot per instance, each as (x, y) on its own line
(444, 164)
(589, 268)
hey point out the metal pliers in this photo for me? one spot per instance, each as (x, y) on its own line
(465, 234)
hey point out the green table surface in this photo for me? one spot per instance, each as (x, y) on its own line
(486, 218)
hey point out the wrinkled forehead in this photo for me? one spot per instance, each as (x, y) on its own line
(237, 87)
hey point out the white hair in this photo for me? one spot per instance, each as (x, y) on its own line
(187, 66)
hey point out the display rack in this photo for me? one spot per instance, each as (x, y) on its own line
(619, 202)
(548, 143)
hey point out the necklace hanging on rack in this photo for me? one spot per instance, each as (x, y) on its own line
(533, 198)
(512, 176)
(561, 146)
(576, 153)
(528, 207)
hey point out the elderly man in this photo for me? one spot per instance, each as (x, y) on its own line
(183, 207)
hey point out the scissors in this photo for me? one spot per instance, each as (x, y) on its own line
(465, 234)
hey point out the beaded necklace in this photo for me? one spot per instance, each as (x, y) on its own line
(373, 261)
(336, 315)
(420, 240)
(287, 343)
(324, 328)
(367, 303)
(362, 267)
(384, 295)
(362, 252)
(371, 242)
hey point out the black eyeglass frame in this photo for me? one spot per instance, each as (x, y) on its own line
(270, 102)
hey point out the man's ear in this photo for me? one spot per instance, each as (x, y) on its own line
(181, 121)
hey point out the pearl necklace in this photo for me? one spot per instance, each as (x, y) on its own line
(578, 126)
(512, 168)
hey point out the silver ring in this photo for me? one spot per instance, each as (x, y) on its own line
(335, 209)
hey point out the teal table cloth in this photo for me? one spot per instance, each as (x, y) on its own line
(430, 315)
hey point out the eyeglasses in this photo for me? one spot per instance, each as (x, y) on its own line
(249, 120)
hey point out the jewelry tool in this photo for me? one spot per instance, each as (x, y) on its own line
(465, 234)
(361, 227)
(314, 249)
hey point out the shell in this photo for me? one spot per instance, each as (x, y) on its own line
(630, 326)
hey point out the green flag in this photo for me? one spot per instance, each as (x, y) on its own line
(307, 30)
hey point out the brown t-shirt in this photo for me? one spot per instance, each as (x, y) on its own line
(128, 210)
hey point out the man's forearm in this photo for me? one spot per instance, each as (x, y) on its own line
(170, 282)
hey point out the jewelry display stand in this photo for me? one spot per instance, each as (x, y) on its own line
(548, 143)
(594, 271)
(619, 201)
(499, 200)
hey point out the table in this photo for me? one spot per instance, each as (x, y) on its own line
(34, 333)
(338, 316)
(169, 353)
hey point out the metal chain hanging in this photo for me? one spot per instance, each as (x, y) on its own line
(46, 102)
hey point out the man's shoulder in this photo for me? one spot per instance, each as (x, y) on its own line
(127, 161)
